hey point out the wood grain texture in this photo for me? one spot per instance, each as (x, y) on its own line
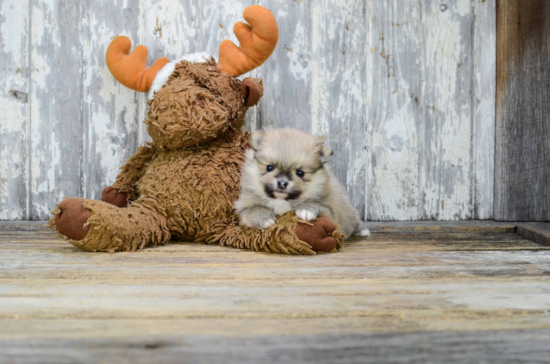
(430, 131)
(394, 110)
(506, 347)
(14, 112)
(447, 110)
(425, 227)
(57, 129)
(287, 73)
(484, 108)
(538, 232)
(419, 298)
(338, 66)
(403, 92)
(523, 107)
(110, 112)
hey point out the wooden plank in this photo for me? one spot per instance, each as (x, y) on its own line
(22, 225)
(110, 112)
(426, 227)
(447, 110)
(419, 242)
(394, 104)
(382, 256)
(287, 73)
(484, 107)
(523, 108)
(539, 232)
(449, 346)
(466, 300)
(338, 66)
(14, 115)
(136, 329)
(55, 105)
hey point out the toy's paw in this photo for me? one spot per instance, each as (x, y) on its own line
(307, 214)
(318, 235)
(115, 197)
(72, 218)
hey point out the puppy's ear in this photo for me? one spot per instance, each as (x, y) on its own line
(324, 153)
(256, 139)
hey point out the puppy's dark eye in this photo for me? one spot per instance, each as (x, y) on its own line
(269, 168)
(300, 173)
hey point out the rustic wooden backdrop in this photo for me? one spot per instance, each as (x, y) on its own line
(522, 160)
(404, 91)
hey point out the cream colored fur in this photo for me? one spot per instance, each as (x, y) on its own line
(318, 192)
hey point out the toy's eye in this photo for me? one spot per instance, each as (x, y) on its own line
(300, 173)
(269, 168)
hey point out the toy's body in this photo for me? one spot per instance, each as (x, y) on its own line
(183, 185)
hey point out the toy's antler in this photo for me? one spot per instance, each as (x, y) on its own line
(258, 40)
(130, 69)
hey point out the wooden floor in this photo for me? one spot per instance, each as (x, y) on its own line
(473, 293)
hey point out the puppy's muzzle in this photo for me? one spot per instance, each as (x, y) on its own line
(282, 185)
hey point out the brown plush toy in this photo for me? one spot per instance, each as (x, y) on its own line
(182, 186)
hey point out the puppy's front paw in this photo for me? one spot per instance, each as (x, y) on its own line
(265, 223)
(307, 214)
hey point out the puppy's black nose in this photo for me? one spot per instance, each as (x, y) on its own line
(282, 184)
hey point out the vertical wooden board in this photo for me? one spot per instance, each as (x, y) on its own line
(447, 113)
(484, 94)
(110, 112)
(14, 25)
(56, 93)
(175, 28)
(394, 109)
(338, 65)
(287, 73)
(522, 167)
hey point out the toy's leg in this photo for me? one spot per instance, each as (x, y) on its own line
(114, 197)
(99, 226)
(287, 236)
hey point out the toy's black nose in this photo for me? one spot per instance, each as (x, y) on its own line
(282, 184)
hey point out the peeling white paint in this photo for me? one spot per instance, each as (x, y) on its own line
(485, 108)
(390, 84)
(447, 193)
(112, 112)
(319, 76)
(298, 54)
(13, 109)
(13, 26)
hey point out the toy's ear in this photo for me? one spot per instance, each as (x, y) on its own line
(253, 90)
(256, 139)
(324, 153)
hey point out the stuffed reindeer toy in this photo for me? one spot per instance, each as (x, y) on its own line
(182, 186)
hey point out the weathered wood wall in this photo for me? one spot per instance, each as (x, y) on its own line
(404, 91)
(523, 111)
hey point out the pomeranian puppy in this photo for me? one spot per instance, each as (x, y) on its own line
(286, 171)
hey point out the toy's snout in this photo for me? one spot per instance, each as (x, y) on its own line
(253, 90)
